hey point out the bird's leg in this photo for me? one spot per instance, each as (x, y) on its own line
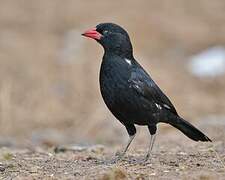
(152, 140)
(131, 131)
(127, 146)
(152, 130)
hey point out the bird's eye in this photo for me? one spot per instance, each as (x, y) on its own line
(105, 32)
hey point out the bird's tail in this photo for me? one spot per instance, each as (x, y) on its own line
(188, 129)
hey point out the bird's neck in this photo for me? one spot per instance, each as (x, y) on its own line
(123, 49)
(123, 53)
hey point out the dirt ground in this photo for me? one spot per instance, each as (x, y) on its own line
(49, 92)
(170, 160)
(174, 157)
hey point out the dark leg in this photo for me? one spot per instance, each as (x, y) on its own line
(152, 129)
(131, 131)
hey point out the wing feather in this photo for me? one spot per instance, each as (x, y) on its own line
(142, 83)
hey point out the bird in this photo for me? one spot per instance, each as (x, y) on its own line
(130, 93)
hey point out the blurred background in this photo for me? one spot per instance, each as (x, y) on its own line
(49, 91)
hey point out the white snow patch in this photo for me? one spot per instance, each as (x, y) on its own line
(209, 63)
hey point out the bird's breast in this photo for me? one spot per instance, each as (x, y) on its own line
(119, 97)
(114, 80)
(114, 76)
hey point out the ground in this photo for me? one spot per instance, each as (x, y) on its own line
(174, 157)
(198, 162)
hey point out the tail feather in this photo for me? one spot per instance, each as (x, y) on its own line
(188, 129)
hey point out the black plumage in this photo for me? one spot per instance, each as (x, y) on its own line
(129, 92)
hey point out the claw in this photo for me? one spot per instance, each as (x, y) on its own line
(142, 161)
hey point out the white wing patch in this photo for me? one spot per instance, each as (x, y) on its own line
(166, 106)
(158, 106)
(128, 61)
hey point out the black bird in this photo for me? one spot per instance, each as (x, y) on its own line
(129, 92)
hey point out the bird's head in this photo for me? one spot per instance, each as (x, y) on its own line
(112, 37)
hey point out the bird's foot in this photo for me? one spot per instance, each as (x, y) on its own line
(143, 161)
(119, 155)
(146, 157)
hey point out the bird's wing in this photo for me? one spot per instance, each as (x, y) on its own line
(142, 83)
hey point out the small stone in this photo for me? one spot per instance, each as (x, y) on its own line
(182, 153)
(153, 174)
(2, 168)
(198, 164)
